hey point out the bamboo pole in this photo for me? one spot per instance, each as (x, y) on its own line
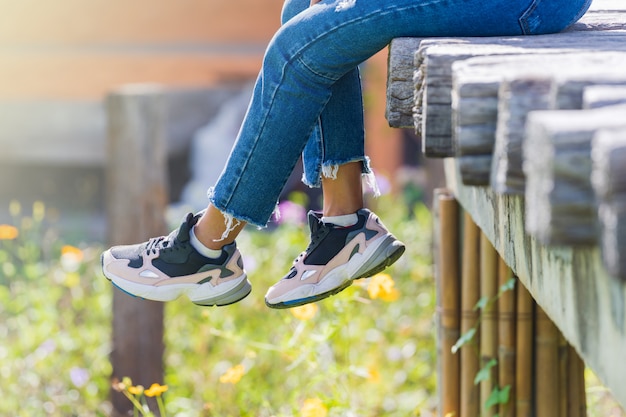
(506, 338)
(576, 394)
(564, 375)
(470, 294)
(488, 327)
(448, 289)
(524, 353)
(546, 366)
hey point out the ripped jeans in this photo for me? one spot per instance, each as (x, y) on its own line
(307, 98)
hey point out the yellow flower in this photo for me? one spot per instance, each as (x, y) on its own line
(382, 286)
(136, 390)
(373, 374)
(120, 386)
(8, 232)
(233, 375)
(313, 407)
(72, 252)
(71, 258)
(155, 390)
(305, 312)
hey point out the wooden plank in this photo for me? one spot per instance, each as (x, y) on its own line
(609, 184)
(400, 74)
(601, 29)
(603, 5)
(560, 203)
(564, 280)
(478, 87)
(603, 95)
(517, 98)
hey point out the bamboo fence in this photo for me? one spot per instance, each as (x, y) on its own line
(542, 373)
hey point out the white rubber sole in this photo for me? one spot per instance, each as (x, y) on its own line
(202, 294)
(378, 256)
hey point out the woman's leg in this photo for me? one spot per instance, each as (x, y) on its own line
(307, 58)
(343, 193)
(319, 46)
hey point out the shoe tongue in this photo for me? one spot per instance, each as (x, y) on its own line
(182, 234)
(315, 221)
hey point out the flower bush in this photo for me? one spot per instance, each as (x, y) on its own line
(368, 351)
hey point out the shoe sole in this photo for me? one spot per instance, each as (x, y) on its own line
(391, 249)
(231, 292)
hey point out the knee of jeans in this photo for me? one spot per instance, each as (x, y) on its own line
(292, 8)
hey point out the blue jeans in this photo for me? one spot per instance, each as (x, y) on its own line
(307, 98)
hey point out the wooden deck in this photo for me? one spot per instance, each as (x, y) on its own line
(534, 137)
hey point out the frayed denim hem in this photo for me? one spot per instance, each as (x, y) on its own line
(329, 170)
(233, 219)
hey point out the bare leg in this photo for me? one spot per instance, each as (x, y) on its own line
(210, 229)
(344, 194)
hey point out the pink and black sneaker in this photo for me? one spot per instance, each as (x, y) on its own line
(164, 268)
(335, 257)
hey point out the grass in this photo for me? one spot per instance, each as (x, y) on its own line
(351, 354)
(368, 351)
(359, 356)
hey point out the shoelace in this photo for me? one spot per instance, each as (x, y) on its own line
(156, 244)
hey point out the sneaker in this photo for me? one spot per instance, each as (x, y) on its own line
(335, 257)
(166, 267)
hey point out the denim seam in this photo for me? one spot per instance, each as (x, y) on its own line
(256, 139)
(298, 53)
(523, 18)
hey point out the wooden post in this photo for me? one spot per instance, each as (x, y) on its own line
(448, 300)
(470, 293)
(488, 326)
(524, 353)
(506, 339)
(136, 201)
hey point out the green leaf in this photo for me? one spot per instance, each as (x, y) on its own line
(498, 396)
(464, 339)
(484, 374)
(482, 303)
(508, 286)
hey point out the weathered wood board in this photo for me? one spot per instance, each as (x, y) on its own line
(609, 183)
(603, 95)
(431, 84)
(517, 98)
(560, 202)
(476, 96)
